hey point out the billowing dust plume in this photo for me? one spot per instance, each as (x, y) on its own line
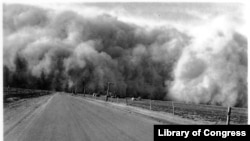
(61, 50)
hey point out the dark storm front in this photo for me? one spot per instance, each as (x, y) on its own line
(49, 48)
(194, 132)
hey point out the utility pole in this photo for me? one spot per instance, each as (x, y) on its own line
(109, 83)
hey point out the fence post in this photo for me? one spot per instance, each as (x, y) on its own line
(173, 106)
(228, 115)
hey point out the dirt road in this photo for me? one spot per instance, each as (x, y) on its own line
(68, 118)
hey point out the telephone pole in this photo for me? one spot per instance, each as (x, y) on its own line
(109, 83)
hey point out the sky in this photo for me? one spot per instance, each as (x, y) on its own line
(181, 15)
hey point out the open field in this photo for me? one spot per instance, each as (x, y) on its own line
(211, 113)
(11, 94)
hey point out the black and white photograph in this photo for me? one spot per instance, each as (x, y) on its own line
(110, 71)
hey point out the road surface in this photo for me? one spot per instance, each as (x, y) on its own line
(68, 118)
